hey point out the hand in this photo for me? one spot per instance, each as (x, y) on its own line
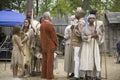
(103, 30)
(65, 39)
(94, 36)
(95, 31)
(86, 38)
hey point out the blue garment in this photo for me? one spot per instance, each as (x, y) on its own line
(118, 47)
(86, 20)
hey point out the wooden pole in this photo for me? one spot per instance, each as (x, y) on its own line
(105, 61)
(29, 5)
(94, 68)
(29, 10)
(37, 8)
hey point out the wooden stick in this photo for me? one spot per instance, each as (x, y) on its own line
(105, 61)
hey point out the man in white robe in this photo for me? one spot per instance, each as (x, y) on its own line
(68, 59)
(100, 24)
(90, 54)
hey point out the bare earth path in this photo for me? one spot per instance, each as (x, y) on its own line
(113, 71)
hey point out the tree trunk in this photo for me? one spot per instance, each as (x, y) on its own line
(29, 5)
(85, 5)
(36, 7)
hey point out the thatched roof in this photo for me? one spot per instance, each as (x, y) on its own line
(113, 17)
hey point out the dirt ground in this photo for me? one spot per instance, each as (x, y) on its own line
(113, 71)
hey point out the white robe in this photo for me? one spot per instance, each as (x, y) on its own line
(27, 49)
(100, 24)
(90, 54)
(68, 59)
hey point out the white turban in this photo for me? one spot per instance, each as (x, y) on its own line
(91, 16)
(73, 20)
(79, 9)
(72, 17)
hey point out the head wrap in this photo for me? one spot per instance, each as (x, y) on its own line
(73, 20)
(72, 17)
(91, 16)
(79, 9)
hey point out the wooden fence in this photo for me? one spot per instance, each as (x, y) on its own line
(60, 24)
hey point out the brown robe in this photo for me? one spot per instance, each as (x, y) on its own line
(49, 45)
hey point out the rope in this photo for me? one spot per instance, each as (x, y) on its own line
(4, 42)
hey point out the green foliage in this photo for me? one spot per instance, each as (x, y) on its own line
(5, 4)
(60, 7)
(12, 4)
(115, 7)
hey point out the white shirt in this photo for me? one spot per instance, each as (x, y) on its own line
(67, 34)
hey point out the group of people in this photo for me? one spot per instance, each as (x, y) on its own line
(83, 43)
(24, 43)
(29, 42)
(82, 46)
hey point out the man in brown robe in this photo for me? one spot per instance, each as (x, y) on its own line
(49, 45)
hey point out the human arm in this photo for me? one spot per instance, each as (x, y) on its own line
(27, 36)
(97, 35)
(18, 42)
(67, 33)
(25, 39)
(53, 36)
(85, 36)
(78, 28)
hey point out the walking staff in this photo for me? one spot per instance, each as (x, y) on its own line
(100, 24)
(90, 55)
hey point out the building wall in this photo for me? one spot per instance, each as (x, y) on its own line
(112, 37)
(60, 24)
(115, 35)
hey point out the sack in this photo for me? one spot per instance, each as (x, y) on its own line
(118, 46)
